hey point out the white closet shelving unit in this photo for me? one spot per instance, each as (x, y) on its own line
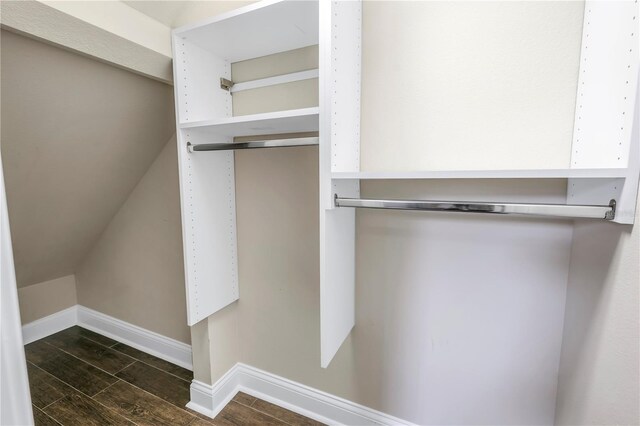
(605, 161)
(203, 54)
(292, 121)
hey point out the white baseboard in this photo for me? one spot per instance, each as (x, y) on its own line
(201, 396)
(206, 399)
(210, 400)
(50, 324)
(309, 402)
(140, 338)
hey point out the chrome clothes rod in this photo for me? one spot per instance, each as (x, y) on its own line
(274, 143)
(540, 210)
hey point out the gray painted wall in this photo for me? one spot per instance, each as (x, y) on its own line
(92, 186)
(77, 136)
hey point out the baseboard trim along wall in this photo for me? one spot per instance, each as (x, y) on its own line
(304, 400)
(147, 341)
(140, 338)
(50, 324)
(211, 399)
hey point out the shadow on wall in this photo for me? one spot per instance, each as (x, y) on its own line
(135, 271)
(601, 330)
(455, 312)
(433, 336)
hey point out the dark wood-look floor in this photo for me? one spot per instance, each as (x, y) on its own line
(78, 377)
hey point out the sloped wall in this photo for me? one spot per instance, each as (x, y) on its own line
(92, 187)
(135, 270)
(77, 136)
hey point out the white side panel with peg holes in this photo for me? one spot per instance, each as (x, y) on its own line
(207, 185)
(606, 111)
(202, 54)
(340, 63)
(197, 76)
(346, 29)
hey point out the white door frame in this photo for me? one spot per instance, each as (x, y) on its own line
(15, 398)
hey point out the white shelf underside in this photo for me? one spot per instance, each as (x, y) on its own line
(256, 30)
(292, 121)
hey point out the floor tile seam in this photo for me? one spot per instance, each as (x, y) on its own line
(238, 402)
(74, 388)
(271, 415)
(159, 369)
(262, 412)
(117, 381)
(109, 408)
(43, 408)
(84, 337)
(46, 414)
(150, 365)
(88, 363)
(67, 384)
(126, 366)
(95, 341)
(130, 356)
(161, 399)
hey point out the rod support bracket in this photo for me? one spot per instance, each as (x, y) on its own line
(226, 84)
(610, 215)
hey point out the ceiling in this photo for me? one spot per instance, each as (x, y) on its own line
(176, 13)
(77, 136)
(165, 12)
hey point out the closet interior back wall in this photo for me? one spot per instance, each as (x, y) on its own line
(428, 287)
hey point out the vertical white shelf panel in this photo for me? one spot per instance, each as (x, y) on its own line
(197, 75)
(346, 58)
(606, 85)
(337, 273)
(207, 185)
(606, 106)
(209, 233)
(340, 47)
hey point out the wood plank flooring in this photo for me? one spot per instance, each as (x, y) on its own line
(78, 377)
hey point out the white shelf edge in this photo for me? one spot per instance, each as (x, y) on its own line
(252, 117)
(610, 173)
(272, 81)
(297, 28)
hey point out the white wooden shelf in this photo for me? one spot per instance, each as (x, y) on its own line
(256, 30)
(290, 121)
(489, 174)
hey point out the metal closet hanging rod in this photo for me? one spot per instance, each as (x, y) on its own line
(538, 210)
(273, 143)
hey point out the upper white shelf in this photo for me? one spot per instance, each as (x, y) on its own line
(256, 30)
(290, 121)
(488, 174)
